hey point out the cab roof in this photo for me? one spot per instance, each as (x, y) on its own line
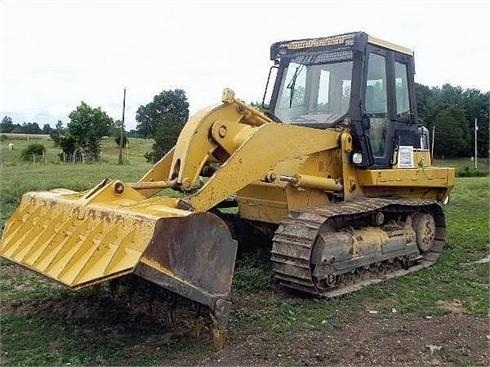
(353, 40)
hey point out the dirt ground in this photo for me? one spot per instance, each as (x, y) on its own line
(373, 339)
(447, 339)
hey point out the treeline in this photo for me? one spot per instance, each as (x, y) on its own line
(452, 111)
(7, 126)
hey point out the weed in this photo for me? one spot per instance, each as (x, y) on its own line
(470, 172)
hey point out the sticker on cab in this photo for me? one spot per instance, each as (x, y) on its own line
(405, 157)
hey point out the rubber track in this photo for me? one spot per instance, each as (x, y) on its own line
(294, 239)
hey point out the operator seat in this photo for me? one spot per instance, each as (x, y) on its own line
(378, 122)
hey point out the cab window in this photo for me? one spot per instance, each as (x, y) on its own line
(376, 103)
(401, 90)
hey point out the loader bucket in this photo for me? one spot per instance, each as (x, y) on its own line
(81, 239)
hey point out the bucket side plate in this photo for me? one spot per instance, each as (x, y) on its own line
(192, 256)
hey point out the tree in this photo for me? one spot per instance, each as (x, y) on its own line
(117, 139)
(165, 138)
(59, 127)
(87, 126)
(55, 137)
(68, 145)
(449, 141)
(423, 93)
(46, 129)
(163, 119)
(31, 128)
(168, 102)
(477, 107)
(145, 125)
(116, 133)
(461, 107)
(17, 129)
(6, 126)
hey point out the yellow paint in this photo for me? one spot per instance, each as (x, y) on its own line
(82, 238)
(408, 177)
(159, 172)
(389, 45)
(259, 154)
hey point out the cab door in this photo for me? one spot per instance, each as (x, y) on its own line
(389, 104)
(378, 105)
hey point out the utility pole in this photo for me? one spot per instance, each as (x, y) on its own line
(476, 144)
(121, 139)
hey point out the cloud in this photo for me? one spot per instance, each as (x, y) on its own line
(55, 54)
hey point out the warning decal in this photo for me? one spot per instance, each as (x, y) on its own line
(405, 157)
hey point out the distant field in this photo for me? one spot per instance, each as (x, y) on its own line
(17, 176)
(460, 163)
(137, 147)
(134, 154)
(21, 136)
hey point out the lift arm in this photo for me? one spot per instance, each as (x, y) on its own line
(244, 145)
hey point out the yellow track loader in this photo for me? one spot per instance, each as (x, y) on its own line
(336, 171)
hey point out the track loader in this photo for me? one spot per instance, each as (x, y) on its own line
(336, 172)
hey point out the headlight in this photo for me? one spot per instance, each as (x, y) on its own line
(357, 158)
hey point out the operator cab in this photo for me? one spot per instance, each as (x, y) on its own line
(351, 79)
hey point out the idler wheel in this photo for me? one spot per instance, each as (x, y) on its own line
(425, 230)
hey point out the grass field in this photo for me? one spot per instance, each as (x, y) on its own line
(461, 163)
(446, 305)
(133, 155)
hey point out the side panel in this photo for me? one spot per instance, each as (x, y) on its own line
(271, 202)
(426, 182)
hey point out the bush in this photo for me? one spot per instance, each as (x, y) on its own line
(55, 137)
(117, 139)
(166, 136)
(31, 150)
(470, 172)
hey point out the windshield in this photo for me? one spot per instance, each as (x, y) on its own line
(313, 94)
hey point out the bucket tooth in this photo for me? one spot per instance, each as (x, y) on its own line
(58, 248)
(84, 250)
(17, 236)
(55, 264)
(41, 251)
(120, 254)
(115, 289)
(82, 241)
(99, 258)
(198, 326)
(45, 237)
(220, 315)
(31, 238)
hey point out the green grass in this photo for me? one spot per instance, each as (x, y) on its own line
(134, 154)
(461, 163)
(18, 177)
(43, 324)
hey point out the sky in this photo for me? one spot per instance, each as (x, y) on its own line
(55, 54)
